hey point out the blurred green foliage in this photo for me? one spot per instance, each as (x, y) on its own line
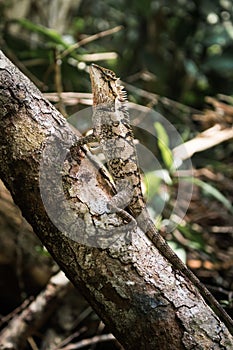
(180, 49)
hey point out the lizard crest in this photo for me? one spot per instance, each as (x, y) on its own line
(113, 131)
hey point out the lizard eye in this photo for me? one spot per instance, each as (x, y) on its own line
(110, 74)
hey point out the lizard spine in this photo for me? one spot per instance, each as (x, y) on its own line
(112, 129)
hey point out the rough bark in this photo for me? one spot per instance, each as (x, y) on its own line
(130, 285)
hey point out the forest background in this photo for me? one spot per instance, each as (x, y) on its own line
(175, 57)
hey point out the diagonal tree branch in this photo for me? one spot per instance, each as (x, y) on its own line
(126, 280)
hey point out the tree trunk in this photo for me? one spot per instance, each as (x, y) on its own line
(130, 285)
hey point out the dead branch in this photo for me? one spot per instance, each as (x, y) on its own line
(90, 38)
(205, 140)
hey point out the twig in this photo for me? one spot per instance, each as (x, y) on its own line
(155, 98)
(99, 56)
(58, 82)
(20, 308)
(71, 337)
(98, 332)
(83, 315)
(89, 39)
(70, 98)
(90, 341)
(207, 139)
(32, 343)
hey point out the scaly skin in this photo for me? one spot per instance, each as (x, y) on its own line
(112, 129)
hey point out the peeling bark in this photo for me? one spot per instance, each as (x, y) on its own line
(130, 285)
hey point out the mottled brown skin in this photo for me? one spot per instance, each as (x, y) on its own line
(112, 129)
(114, 133)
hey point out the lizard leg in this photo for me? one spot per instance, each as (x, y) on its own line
(121, 200)
(84, 140)
(81, 141)
(124, 215)
(124, 194)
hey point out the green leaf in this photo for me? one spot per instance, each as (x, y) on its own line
(163, 144)
(50, 34)
(195, 238)
(153, 184)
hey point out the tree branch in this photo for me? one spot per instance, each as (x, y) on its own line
(129, 284)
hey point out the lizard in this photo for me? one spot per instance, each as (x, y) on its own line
(112, 130)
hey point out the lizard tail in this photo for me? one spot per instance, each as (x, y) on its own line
(168, 253)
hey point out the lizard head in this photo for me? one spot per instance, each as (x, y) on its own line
(105, 86)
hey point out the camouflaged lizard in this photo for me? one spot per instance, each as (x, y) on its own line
(112, 130)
